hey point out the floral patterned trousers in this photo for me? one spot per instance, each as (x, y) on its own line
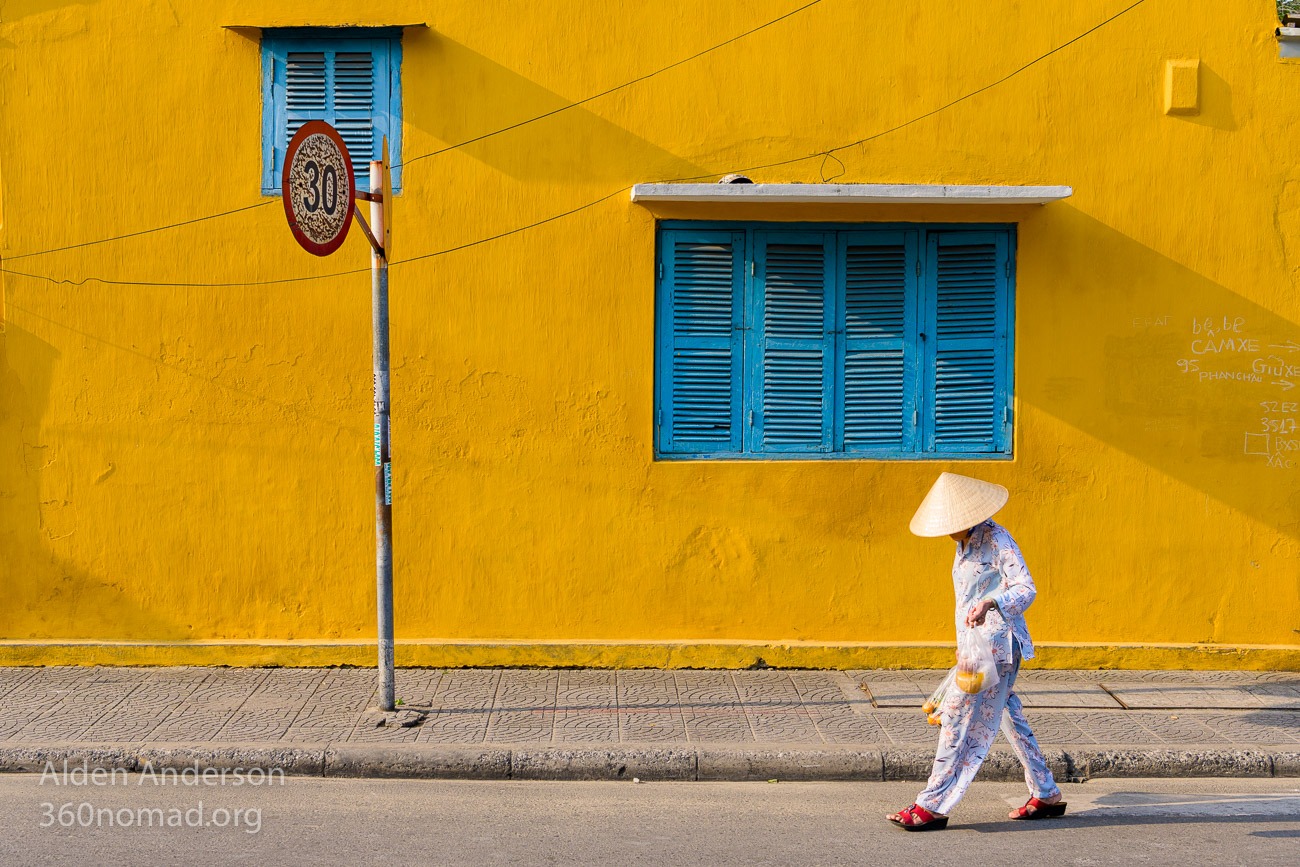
(970, 723)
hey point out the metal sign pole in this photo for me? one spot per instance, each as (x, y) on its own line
(383, 457)
(319, 191)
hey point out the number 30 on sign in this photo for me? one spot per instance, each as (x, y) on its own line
(318, 188)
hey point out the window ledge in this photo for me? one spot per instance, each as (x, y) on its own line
(316, 28)
(919, 194)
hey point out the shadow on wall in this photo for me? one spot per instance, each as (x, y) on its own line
(38, 21)
(1216, 103)
(47, 596)
(1172, 368)
(472, 95)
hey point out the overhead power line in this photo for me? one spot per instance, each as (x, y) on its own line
(451, 147)
(823, 154)
(947, 105)
(143, 231)
(615, 88)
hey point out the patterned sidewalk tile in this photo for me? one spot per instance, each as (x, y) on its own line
(1204, 695)
(853, 729)
(130, 722)
(1262, 727)
(466, 689)
(908, 729)
(454, 727)
(1179, 728)
(12, 723)
(217, 697)
(646, 689)
(728, 727)
(586, 689)
(197, 727)
(633, 706)
(908, 691)
(652, 726)
(794, 726)
(12, 678)
(1037, 691)
(516, 726)
(1280, 695)
(328, 700)
(1117, 728)
(284, 688)
(586, 727)
(706, 689)
(1048, 675)
(1056, 728)
(370, 734)
(329, 726)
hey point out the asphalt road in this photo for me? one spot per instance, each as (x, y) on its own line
(354, 822)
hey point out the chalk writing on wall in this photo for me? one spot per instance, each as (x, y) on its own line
(1222, 349)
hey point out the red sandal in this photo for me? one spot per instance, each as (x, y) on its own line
(1036, 809)
(920, 819)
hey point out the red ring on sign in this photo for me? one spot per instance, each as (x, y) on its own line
(314, 127)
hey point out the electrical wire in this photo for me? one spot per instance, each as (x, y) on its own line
(143, 231)
(186, 285)
(831, 153)
(615, 88)
(470, 141)
(824, 154)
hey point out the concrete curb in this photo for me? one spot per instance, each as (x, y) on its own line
(1190, 762)
(417, 761)
(604, 763)
(735, 764)
(649, 762)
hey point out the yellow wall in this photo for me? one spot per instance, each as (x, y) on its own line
(182, 467)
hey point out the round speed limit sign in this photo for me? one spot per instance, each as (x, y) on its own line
(318, 188)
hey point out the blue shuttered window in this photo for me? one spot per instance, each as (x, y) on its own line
(966, 388)
(348, 78)
(792, 349)
(820, 341)
(700, 366)
(879, 277)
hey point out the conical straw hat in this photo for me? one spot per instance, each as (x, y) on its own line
(957, 503)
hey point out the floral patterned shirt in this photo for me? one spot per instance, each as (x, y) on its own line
(988, 565)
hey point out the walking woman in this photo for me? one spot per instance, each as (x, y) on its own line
(993, 590)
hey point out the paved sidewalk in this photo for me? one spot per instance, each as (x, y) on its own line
(589, 724)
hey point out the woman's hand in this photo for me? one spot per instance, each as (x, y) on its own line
(975, 617)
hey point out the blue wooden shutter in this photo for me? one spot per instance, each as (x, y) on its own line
(355, 99)
(880, 364)
(700, 344)
(791, 372)
(346, 82)
(967, 394)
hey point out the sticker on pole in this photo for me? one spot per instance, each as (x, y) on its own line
(318, 188)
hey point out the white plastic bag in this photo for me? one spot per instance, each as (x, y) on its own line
(977, 671)
(933, 706)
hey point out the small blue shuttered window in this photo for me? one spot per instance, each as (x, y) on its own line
(811, 341)
(348, 77)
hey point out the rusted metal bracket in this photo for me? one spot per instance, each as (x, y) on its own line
(370, 236)
(370, 197)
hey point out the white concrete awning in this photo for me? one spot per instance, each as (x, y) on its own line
(912, 194)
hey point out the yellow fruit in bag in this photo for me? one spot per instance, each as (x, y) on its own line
(970, 682)
(934, 719)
